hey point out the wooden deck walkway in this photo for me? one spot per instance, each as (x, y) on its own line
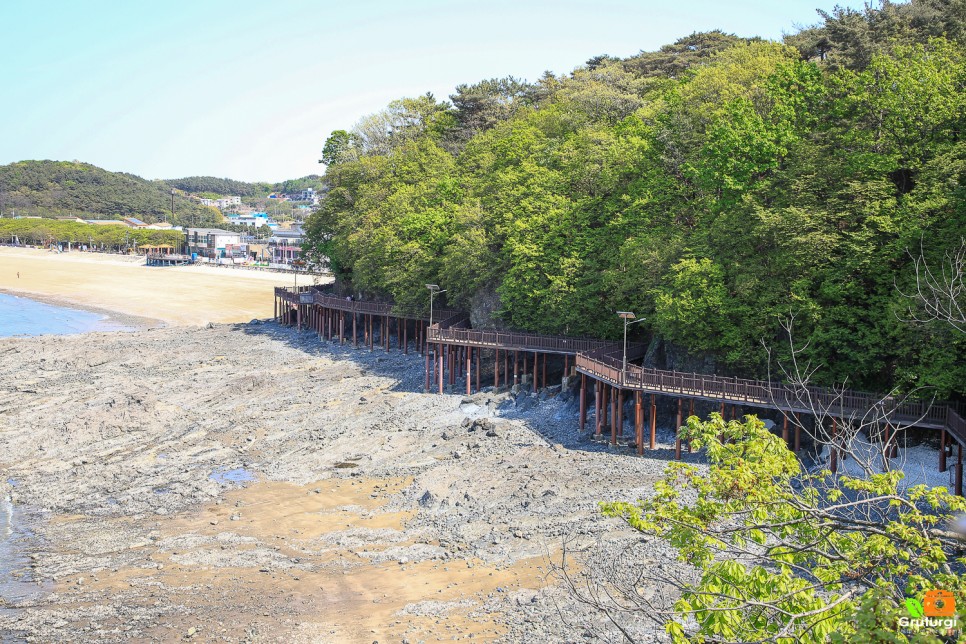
(449, 345)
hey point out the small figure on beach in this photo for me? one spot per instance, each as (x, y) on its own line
(18, 274)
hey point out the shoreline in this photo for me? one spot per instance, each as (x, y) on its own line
(125, 288)
(128, 323)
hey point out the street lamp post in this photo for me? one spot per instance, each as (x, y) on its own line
(627, 316)
(433, 291)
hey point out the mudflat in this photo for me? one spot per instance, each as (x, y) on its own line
(176, 295)
(248, 482)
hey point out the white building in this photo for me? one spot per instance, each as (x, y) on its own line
(214, 243)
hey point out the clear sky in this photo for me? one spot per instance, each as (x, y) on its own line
(250, 89)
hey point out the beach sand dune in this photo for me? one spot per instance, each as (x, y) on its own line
(188, 295)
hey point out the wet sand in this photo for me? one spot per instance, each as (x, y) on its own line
(189, 295)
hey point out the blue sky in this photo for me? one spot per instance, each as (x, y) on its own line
(250, 89)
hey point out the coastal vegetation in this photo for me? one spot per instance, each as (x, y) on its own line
(48, 231)
(784, 555)
(715, 186)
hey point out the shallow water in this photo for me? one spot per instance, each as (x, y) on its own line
(237, 475)
(21, 316)
(16, 542)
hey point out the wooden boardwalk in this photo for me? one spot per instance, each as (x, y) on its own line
(452, 351)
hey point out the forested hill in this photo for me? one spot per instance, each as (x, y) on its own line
(715, 187)
(51, 188)
(55, 188)
(218, 186)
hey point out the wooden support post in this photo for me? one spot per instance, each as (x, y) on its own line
(942, 450)
(453, 366)
(478, 361)
(516, 361)
(426, 388)
(469, 360)
(536, 369)
(620, 413)
(653, 421)
(341, 328)
(506, 368)
(597, 401)
(677, 432)
(405, 337)
(639, 422)
(385, 329)
(566, 365)
(785, 430)
(496, 369)
(544, 374)
(583, 403)
(690, 413)
(275, 316)
(440, 374)
(613, 416)
(355, 336)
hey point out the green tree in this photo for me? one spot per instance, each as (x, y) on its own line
(787, 556)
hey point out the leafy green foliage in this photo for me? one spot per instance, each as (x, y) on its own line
(47, 231)
(786, 556)
(713, 187)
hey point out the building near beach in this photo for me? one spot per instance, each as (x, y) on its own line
(214, 243)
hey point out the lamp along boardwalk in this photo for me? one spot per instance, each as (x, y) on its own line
(454, 352)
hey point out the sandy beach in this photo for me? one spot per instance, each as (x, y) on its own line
(182, 295)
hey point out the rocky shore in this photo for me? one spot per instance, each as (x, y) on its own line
(251, 483)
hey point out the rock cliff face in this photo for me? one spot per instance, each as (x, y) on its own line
(483, 309)
(662, 354)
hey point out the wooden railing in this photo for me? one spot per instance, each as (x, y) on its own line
(604, 361)
(606, 365)
(339, 303)
(513, 341)
(956, 425)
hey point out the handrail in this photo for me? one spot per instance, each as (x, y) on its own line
(513, 341)
(607, 366)
(339, 303)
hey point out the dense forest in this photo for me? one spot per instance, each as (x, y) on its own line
(216, 186)
(54, 188)
(716, 187)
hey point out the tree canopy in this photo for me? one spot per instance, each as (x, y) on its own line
(713, 187)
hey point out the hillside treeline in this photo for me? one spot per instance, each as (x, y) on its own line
(715, 187)
(216, 186)
(55, 188)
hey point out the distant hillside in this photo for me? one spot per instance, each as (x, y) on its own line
(52, 188)
(198, 185)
